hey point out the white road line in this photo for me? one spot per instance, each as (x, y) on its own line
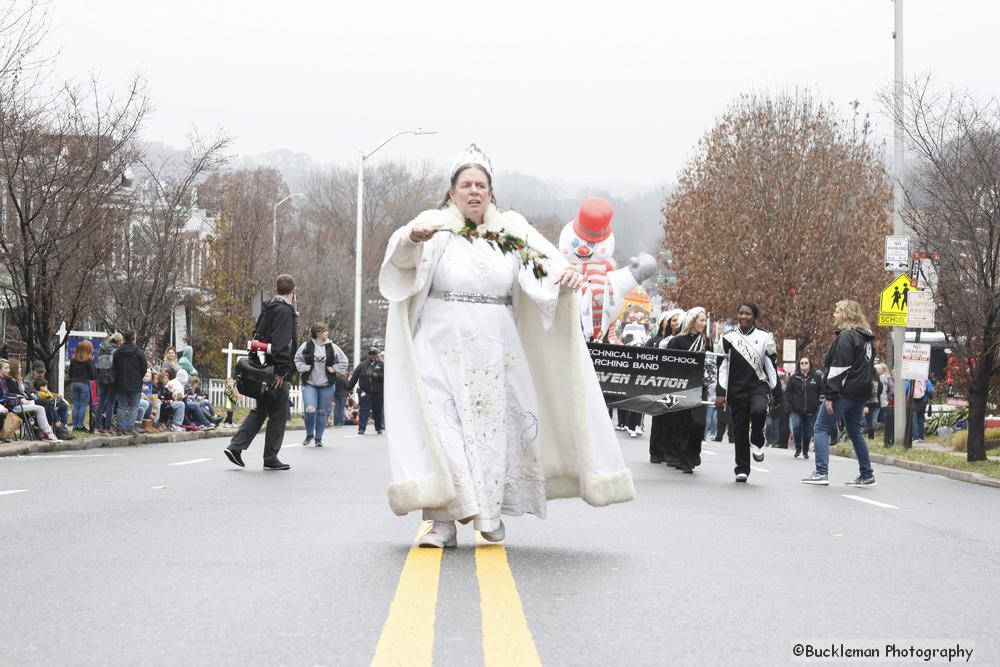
(705, 451)
(759, 469)
(353, 436)
(870, 502)
(12, 491)
(159, 487)
(186, 463)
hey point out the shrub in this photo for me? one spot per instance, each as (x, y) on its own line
(960, 440)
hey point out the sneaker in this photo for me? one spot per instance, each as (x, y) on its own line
(632, 434)
(797, 454)
(276, 465)
(741, 477)
(319, 443)
(817, 479)
(441, 535)
(494, 535)
(378, 432)
(361, 432)
(50, 437)
(806, 455)
(863, 481)
(235, 456)
(687, 470)
(307, 441)
(655, 459)
(758, 453)
(619, 427)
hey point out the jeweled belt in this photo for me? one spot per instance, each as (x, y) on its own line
(472, 297)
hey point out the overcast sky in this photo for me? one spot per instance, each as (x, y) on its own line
(607, 93)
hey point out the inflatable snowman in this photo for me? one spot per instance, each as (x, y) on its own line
(589, 243)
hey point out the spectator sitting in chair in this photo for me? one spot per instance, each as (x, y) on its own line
(12, 401)
(56, 407)
(194, 416)
(171, 406)
(192, 392)
(45, 398)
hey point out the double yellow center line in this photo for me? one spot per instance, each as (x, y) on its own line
(408, 635)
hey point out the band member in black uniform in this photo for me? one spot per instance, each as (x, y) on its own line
(689, 425)
(747, 380)
(667, 326)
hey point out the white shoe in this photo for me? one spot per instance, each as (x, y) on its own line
(758, 453)
(494, 535)
(441, 535)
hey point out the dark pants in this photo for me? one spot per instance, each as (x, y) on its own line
(106, 406)
(749, 414)
(370, 403)
(689, 432)
(919, 413)
(659, 428)
(633, 420)
(784, 431)
(802, 430)
(275, 411)
(889, 422)
(723, 420)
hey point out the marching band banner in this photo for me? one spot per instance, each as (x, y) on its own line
(648, 380)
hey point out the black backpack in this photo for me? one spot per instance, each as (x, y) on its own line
(106, 368)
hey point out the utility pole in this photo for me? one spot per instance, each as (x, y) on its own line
(898, 333)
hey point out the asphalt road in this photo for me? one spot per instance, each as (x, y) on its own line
(168, 555)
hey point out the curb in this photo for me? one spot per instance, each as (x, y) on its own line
(28, 447)
(931, 469)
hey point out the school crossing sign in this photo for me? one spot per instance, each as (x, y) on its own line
(893, 302)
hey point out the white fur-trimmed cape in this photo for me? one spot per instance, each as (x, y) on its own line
(580, 450)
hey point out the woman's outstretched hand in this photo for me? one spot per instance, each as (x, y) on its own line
(570, 278)
(422, 231)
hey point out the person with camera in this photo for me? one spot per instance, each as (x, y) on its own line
(275, 334)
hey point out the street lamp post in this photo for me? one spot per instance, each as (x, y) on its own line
(358, 237)
(274, 227)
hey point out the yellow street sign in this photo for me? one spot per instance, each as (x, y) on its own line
(893, 302)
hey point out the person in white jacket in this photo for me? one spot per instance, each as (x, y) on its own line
(493, 398)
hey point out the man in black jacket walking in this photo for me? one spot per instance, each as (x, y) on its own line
(275, 326)
(130, 368)
(370, 375)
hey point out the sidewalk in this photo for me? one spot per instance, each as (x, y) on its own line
(25, 447)
(931, 469)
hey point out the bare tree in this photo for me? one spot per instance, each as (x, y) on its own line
(785, 205)
(63, 163)
(241, 257)
(325, 246)
(144, 283)
(953, 208)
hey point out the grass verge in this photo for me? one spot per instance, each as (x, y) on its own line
(943, 459)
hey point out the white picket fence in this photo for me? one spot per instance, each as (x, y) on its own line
(216, 394)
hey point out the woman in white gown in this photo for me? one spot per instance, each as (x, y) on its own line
(482, 346)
